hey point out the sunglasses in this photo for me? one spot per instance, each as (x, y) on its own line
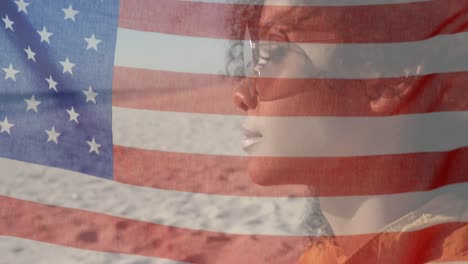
(258, 53)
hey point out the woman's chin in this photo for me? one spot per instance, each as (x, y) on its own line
(267, 171)
(385, 105)
(390, 104)
(261, 175)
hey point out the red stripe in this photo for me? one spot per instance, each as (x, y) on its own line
(93, 231)
(183, 92)
(373, 23)
(192, 173)
(168, 91)
(374, 175)
(98, 232)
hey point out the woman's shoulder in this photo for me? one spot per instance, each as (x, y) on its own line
(448, 243)
(429, 233)
(455, 246)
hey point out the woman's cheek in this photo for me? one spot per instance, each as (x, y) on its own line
(280, 169)
(277, 170)
(264, 170)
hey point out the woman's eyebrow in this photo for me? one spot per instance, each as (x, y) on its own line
(287, 18)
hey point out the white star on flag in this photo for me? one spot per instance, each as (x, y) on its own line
(52, 135)
(93, 146)
(52, 83)
(92, 42)
(32, 103)
(22, 6)
(73, 115)
(5, 126)
(8, 23)
(70, 13)
(10, 73)
(90, 95)
(31, 54)
(67, 66)
(45, 35)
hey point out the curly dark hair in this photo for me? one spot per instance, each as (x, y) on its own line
(247, 13)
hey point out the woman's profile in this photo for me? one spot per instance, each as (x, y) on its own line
(360, 123)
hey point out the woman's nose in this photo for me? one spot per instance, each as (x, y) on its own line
(245, 96)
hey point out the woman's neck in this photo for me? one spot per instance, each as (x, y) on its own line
(366, 214)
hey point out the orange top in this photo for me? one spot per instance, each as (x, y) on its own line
(326, 251)
(440, 244)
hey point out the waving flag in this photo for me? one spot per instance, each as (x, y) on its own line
(120, 143)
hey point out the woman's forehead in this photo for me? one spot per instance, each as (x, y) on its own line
(286, 2)
(279, 11)
(272, 10)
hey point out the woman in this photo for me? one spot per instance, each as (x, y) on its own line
(347, 84)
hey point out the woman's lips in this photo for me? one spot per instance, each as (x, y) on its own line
(251, 137)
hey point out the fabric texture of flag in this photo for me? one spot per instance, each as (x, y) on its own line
(233, 131)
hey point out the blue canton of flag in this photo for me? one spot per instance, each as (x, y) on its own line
(56, 69)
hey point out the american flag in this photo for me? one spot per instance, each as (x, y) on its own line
(120, 141)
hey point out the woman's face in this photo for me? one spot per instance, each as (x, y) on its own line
(288, 83)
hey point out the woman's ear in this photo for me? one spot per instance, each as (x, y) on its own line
(389, 102)
(393, 97)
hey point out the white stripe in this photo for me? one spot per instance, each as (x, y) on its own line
(24, 251)
(148, 50)
(290, 136)
(312, 2)
(178, 132)
(217, 213)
